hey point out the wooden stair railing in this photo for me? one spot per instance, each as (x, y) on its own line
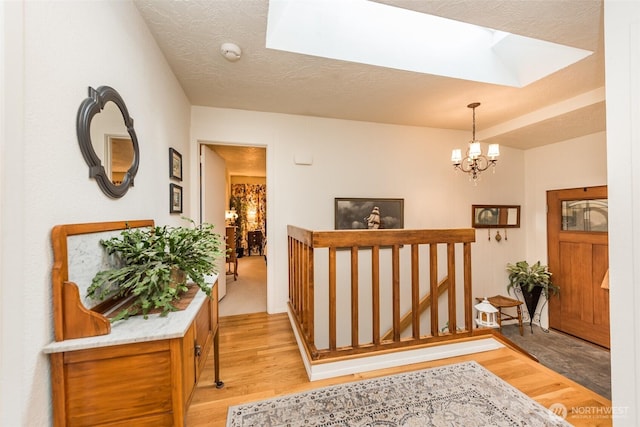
(425, 303)
(314, 296)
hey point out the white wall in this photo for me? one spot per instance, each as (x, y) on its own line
(358, 159)
(622, 47)
(52, 51)
(579, 162)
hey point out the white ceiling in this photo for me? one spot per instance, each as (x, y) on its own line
(564, 105)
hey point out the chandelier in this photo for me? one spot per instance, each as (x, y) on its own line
(474, 161)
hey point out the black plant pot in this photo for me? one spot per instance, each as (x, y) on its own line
(531, 301)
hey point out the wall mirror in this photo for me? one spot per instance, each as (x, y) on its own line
(108, 140)
(495, 216)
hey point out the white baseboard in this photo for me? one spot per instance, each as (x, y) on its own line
(321, 371)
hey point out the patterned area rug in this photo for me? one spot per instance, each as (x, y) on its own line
(463, 394)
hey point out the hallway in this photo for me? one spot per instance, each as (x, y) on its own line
(248, 294)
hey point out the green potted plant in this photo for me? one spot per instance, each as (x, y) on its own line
(153, 265)
(532, 280)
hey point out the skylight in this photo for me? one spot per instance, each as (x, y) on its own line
(376, 34)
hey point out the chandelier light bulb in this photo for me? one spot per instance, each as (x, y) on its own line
(494, 151)
(456, 156)
(474, 150)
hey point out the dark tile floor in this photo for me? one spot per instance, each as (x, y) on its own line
(583, 362)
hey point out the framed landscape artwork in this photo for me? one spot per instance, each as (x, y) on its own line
(368, 213)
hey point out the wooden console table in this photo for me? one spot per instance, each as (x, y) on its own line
(133, 372)
(142, 373)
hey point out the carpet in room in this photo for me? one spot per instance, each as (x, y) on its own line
(247, 294)
(463, 394)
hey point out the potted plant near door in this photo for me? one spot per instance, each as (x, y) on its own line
(532, 281)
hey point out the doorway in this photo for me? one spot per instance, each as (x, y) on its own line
(239, 178)
(577, 242)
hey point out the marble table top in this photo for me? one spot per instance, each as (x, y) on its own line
(137, 329)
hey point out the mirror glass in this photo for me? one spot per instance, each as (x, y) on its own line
(108, 140)
(111, 142)
(495, 216)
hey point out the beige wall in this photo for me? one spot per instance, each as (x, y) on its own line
(51, 53)
(358, 159)
(579, 162)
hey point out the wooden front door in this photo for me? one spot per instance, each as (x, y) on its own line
(577, 242)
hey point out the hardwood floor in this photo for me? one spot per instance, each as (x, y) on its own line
(259, 359)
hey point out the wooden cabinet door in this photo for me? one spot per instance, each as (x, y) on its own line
(577, 241)
(118, 385)
(204, 334)
(189, 377)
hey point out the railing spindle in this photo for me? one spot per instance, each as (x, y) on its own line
(451, 272)
(395, 261)
(415, 291)
(375, 292)
(468, 293)
(433, 285)
(354, 297)
(332, 299)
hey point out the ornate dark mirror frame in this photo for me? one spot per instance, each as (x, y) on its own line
(91, 106)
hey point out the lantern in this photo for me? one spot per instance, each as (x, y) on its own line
(487, 315)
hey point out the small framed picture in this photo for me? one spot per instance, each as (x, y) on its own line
(175, 164)
(175, 198)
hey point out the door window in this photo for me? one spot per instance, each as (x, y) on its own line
(585, 215)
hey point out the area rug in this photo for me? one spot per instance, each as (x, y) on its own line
(463, 394)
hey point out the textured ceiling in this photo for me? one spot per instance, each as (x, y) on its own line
(243, 161)
(190, 34)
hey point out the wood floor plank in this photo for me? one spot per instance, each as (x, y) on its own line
(259, 359)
